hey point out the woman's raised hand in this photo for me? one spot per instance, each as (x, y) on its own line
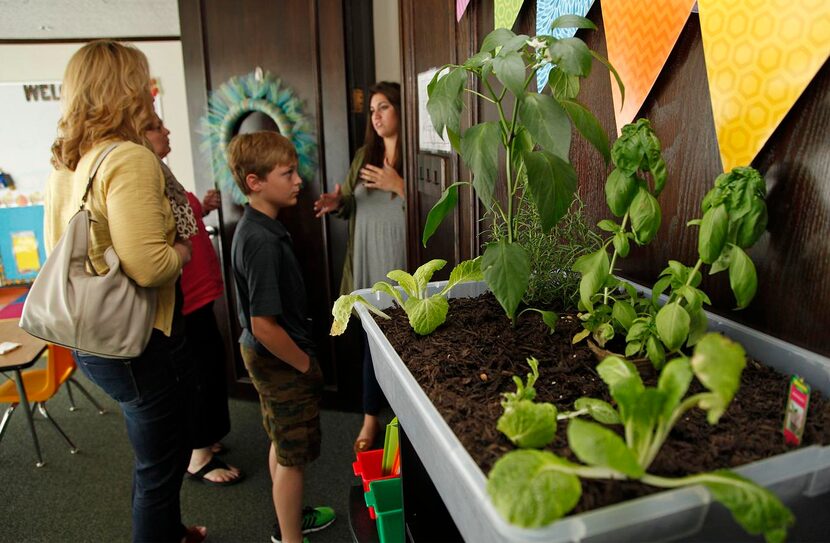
(386, 178)
(211, 201)
(328, 202)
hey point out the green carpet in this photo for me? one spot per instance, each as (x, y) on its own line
(86, 497)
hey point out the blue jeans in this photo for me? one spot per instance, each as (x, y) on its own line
(154, 392)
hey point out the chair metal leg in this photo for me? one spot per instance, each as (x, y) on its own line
(6, 417)
(42, 408)
(89, 397)
(28, 412)
(71, 397)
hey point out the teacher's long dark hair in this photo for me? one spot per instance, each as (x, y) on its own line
(375, 151)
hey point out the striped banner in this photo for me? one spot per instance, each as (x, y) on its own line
(640, 37)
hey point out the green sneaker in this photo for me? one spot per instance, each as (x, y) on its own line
(314, 520)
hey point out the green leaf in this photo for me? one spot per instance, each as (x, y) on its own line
(722, 263)
(624, 314)
(638, 331)
(572, 55)
(718, 363)
(425, 271)
(563, 86)
(445, 103)
(742, 277)
(527, 424)
(480, 152)
(342, 311)
(753, 224)
(439, 211)
(608, 226)
(464, 272)
(755, 508)
(510, 70)
(603, 334)
(552, 183)
(642, 420)
(572, 21)
(426, 315)
(547, 123)
(383, 286)
(655, 352)
(623, 382)
(496, 39)
(620, 189)
(654, 160)
(588, 126)
(506, 268)
(645, 216)
(673, 325)
(712, 236)
(633, 348)
(532, 488)
(598, 446)
(697, 326)
(580, 336)
(516, 43)
(550, 319)
(599, 410)
(594, 268)
(611, 69)
(478, 60)
(406, 281)
(621, 244)
(674, 382)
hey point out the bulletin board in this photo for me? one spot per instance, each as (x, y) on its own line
(22, 249)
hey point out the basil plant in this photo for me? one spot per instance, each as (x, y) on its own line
(533, 131)
(532, 488)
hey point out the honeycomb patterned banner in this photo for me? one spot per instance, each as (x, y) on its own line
(759, 59)
(460, 7)
(640, 37)
(505, 12)
(548, 11)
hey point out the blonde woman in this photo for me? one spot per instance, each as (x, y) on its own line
(106, 100)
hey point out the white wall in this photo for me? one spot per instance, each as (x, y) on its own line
(46, 62)
(387, 40)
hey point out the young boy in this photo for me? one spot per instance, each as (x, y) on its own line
(276, 339)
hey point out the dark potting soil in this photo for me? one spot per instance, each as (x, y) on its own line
(466, 365)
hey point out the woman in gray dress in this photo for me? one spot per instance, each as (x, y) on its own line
(373, 201)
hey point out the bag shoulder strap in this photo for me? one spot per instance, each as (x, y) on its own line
(94, 170)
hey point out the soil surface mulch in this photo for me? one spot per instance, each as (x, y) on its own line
(467, 364)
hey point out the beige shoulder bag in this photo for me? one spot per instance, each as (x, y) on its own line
(105, 315)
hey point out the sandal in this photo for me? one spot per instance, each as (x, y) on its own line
(194, 534)
(215, 463)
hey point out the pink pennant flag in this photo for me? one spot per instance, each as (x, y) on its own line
(460, 7)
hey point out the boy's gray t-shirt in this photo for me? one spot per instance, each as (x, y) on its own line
(268, 280)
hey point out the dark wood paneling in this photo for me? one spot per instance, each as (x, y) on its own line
(792, 258)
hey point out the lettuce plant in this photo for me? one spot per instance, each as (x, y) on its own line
(426, 313)
(533, 132)
(532, 488)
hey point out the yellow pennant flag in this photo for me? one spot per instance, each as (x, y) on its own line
(640, 38)
(760, 56)
(505, 12)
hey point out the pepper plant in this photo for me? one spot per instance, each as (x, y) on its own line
(532, 488)
(425, 312)
(533, 131)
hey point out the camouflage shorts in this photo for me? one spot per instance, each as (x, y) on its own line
(290, 403)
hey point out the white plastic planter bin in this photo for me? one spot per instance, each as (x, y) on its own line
(664, 516)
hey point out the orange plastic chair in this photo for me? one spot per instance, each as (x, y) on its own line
(66, 368)
(41, 385)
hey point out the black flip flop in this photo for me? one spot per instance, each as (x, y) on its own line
(215, 463)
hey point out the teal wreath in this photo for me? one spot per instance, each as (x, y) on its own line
(245, 94)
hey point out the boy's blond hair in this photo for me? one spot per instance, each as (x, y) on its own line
(258, 153)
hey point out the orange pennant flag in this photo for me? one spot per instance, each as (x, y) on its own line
(640, 37)
(759, 59)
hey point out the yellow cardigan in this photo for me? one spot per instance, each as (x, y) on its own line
(131, 214)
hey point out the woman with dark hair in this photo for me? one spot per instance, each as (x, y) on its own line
(373, 200)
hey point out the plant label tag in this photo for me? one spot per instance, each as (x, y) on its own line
(796, 416)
